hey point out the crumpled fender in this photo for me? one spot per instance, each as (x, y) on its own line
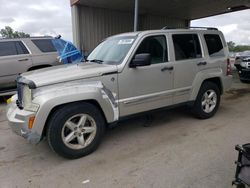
(95, 90)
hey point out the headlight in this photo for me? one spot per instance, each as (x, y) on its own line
(27, 100)
(243, 64)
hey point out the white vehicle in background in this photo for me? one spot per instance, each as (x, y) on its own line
(21, 55)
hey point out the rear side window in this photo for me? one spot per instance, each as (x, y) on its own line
(45, 45)
(214, 45)
(187, 46)
(156, 46)
(12, 48)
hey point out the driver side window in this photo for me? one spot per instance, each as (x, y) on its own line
(156, 46)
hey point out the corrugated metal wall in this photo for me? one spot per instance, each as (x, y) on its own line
(158, 22)
(95, 24)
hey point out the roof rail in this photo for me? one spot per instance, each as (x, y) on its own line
(45, 36)
(32, 37)
(206, 28)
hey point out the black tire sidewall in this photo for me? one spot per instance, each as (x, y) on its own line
(57, 122)
(245, 81)
(197, 109)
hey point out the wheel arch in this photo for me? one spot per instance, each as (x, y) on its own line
(55, 108)
(39, 67)
(57, 97)
(217, 81)
(211, 75)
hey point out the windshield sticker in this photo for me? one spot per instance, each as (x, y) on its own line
(126, 41)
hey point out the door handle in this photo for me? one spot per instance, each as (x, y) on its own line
(23, 60)
(167, 68)
(202, 63)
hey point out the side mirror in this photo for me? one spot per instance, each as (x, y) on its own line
(140, 60)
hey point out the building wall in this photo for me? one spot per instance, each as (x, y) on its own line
(97, 24)
(92, 25)
(158, 22)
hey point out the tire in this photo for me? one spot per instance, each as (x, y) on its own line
(241, 186)
(205, 108)
(6, 97)
(75, 130)
(245, 81)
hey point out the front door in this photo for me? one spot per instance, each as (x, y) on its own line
(149, 87)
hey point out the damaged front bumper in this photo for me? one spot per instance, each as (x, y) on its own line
(18, 120)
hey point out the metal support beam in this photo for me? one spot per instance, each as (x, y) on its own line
(76, 26)
(136, 15)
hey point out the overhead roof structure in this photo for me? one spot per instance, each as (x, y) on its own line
(187, 9)
(104, 15)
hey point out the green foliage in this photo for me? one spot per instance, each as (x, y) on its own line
(237, 48)
(8, 32)
(231, 46)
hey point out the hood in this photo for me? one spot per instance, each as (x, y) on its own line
(69, 72)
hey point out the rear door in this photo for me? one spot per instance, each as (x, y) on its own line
(14, 59)
(188, 59)
(44, 52)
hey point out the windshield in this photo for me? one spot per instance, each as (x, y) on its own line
(112, 50)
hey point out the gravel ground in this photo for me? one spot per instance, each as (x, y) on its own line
(175, 151)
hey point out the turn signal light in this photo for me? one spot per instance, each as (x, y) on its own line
(31, 121)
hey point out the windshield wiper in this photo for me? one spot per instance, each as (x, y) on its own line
(96, 61)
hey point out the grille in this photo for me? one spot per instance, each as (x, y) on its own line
(248, 65)
(19, 101)
(247, 61)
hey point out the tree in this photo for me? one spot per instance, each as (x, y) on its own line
(231, 46)
(8, 32)
(237, 48)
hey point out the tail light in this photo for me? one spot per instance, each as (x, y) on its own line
(229, 68)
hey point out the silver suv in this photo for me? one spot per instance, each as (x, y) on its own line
(21, 55)
(125, 75)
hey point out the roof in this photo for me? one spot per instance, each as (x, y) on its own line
(192, 9)
(178, 30)
(35, 37)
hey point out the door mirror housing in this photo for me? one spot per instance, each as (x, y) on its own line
(140, 60)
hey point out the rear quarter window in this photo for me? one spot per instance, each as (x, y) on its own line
(44, 45)
(214, 45)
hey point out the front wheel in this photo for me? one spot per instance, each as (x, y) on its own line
(207, 101)
(75, 130)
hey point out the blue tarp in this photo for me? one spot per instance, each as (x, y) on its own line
(67, 52)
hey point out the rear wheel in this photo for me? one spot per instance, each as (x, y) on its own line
(75, 130)
(207, 101)
(241, 186)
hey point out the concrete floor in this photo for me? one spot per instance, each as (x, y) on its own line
(176, 151)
